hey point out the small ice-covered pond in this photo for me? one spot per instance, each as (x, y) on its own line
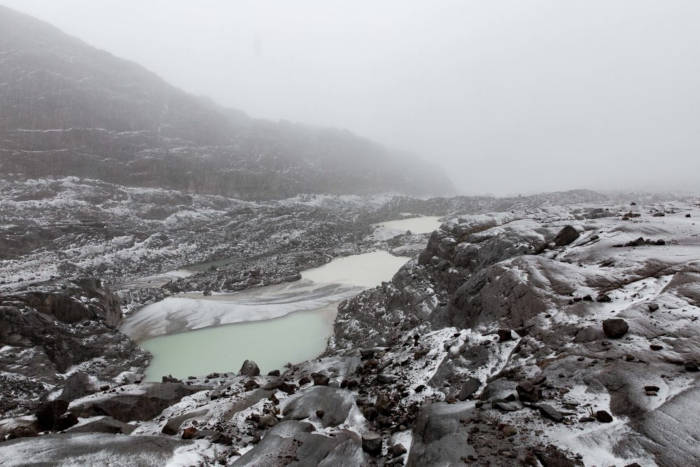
(416, 225)
(193, 334)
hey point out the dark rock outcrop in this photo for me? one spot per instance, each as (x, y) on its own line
(142, 403)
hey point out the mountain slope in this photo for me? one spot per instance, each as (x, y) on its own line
(69, 109)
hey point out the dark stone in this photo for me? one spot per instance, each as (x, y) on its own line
(420, 353)
(528, 392)
(250, 385)
(66, 421)
(48, 414)
(366, 354)
(469, 387)
(397, 450)
(214, 436)
(383, 404)
(349, 384)
(189, 432)
(603, 417)
(386, 379)
(142, 406)
(320, 379)
(274, 373)
(615, 328)
(653, 307)
(656, 347)
(23, 431)
(249, 368)
(288, 388)
(372, 444)
(566, 236)
(172, 426)
(691, 367)
(552, 456)
(504, 335)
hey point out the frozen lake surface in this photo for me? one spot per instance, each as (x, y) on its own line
(416, 225)
(193, 334)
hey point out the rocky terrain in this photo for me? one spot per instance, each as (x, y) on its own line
(67, 109)
(558, 329)
(538, 334)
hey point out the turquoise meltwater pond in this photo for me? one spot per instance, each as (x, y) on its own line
(270, 343)
(192, 334)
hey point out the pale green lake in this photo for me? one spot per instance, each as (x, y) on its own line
(193, 335)
(270, 343)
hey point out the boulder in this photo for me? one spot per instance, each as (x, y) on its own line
(504, 335)
(320, 379)
(189, 433)
(143, 403)
(249, 368)
(603, 417)
(372, 443)
(49, 413)
(528, 392)
(469, 387)
(397, 450)
(615, 328)
(552, 456)
(566, 236)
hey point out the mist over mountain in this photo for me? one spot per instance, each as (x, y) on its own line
(69, 109)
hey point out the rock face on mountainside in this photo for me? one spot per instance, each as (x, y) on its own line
(552, 335)
(67, 109)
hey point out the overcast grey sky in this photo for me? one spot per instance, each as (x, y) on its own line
(510, 96)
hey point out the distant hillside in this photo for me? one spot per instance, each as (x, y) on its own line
(69, 109)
